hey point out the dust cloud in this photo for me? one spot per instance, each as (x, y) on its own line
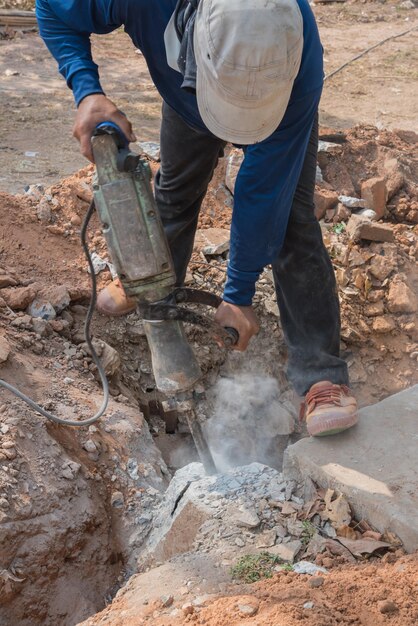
(249, 421)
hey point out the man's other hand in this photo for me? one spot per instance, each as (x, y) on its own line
(242, 318)
(93, 110)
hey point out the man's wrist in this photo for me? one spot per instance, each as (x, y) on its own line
(94, 93)
(237, 300)
(240, 286)
(85, 82)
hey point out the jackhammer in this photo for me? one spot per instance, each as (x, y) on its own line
(139, 251)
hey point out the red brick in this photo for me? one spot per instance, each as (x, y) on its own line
(374, 192)
(324, 201)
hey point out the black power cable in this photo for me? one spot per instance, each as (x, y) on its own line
(90, 312)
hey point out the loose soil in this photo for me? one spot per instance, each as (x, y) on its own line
(359, 595)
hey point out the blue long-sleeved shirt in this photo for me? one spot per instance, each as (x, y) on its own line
(270, 171)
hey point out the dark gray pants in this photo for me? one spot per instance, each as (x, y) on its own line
(303, 274)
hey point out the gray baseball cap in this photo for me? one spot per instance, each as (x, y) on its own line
(248, 54)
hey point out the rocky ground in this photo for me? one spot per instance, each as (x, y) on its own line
(250, 524)
(81, 511)
(113, 471)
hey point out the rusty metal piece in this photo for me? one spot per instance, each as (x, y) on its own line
(165, 310)
(196, 296)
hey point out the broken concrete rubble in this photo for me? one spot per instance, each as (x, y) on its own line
(381, 267)
(57, 295)
(401, 299)
(394, 177)
(287, 551)
(383, 324)
(352, 203)
(212, 241)
(235, 160)
(324, 200)
(110, 359)
(216, 510)
(151, 149)
(18, 298)
(41, 309)
(360, 227)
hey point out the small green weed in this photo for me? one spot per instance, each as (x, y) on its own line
(308, 532)
(253, 567)
(339, 228)
(287, 567)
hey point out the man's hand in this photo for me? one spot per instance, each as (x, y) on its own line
(93, 110)
(242, 318)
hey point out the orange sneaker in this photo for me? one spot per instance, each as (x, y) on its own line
(329, 409)
(112, 300)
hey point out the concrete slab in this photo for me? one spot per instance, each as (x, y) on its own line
(374, 464)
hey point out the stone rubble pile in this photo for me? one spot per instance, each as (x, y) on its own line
(251, 510)
(367, 202)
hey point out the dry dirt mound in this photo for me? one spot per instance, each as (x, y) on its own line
(369, 594)
(74, 504)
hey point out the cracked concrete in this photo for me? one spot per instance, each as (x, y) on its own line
(372, 464)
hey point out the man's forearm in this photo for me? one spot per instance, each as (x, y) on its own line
(65, 26)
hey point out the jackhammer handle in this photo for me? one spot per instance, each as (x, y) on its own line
(232, 338)
(110, 128)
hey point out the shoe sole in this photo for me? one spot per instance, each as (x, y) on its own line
(332, 426)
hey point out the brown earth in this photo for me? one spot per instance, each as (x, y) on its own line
(40, 253)
(358, 595)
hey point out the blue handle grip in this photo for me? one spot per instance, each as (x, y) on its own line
(110, 128)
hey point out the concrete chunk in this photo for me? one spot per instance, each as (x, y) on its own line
(324, 200)
(401, 299)
(286, 551)
(374, 192)
(212, 241)
(373, 464)
(234, 163)
(246, 518)
(360, 227)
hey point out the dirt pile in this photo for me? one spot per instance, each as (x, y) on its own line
(368, 594)
(74, 504)
(375, 266)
